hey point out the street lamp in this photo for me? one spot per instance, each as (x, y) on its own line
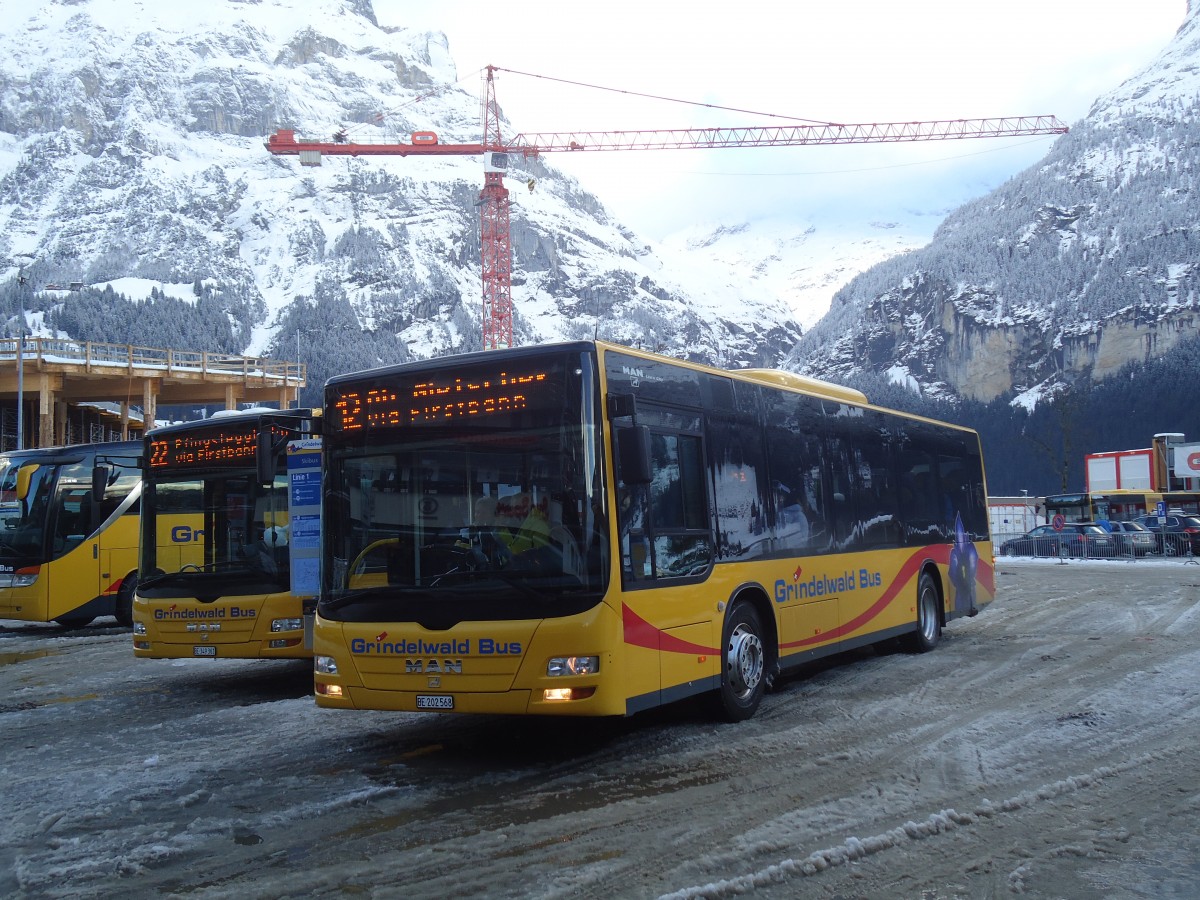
(21, 282)
(306, 331)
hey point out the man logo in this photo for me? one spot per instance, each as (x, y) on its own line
(433, 667)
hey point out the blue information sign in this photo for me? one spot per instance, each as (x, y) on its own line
(304, 511)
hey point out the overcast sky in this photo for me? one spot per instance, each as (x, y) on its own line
(863, 61)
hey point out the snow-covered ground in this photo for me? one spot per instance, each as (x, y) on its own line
(1046, 748)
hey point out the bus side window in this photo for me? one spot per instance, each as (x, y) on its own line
(678, 505)
(74, 519)
(744, 507)
(122, 480)
(841, 481)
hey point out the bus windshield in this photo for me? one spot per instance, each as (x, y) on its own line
(214, 534)
(465, 495)
(23, 521)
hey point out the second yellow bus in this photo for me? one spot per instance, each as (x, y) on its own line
(216, 575)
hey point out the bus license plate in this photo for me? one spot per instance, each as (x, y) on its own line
(435, 701)
(204, 650)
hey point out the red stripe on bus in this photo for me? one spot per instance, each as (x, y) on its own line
(641, 633)
(911, 565)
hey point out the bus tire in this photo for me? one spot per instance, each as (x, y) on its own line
(124, 606)
(743, 664)
(929, 616)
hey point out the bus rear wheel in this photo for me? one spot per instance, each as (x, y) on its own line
(124, 607)
(743, 664)
(929, 616)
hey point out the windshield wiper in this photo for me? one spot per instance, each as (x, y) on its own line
(512, 578)
(155, 578)
(356, 595)
(224, 565)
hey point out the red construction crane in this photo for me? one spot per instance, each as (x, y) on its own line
(493, 199)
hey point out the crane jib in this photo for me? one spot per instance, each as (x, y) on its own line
(494, 203)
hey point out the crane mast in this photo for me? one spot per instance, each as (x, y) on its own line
(494, 235)
(496, 243)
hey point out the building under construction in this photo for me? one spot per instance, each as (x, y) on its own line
(55, 392)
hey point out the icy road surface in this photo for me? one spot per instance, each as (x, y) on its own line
(1049, 747)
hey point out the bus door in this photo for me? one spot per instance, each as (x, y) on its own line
(113, 529)
(665, 527)
(72, 526)
(666, 533)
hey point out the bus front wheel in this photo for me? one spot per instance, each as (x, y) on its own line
(743, 664)
(929, 616)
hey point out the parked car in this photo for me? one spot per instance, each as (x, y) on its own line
(1176, 535)
(1132, 539)
(1080, 539)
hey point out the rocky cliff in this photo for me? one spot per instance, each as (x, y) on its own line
(1066, 273)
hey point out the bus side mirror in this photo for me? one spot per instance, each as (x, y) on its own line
(621, 405)
(99, 482)
(633, 454)
(24, 479)
(264, 456)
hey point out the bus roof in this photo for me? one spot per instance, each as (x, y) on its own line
(776, 377)
(780, 378)
(227, 417)
(73, 449)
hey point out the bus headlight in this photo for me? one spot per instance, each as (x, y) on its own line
(139, 627)
(573, 665)
(21, 579)
(325, 665)
(287, 624)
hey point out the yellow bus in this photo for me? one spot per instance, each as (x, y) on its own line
(586, 529)
(1119, 505)
(69, 532)
(216, 577)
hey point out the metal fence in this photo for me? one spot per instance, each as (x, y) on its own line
(131, 358)
(1119, 545)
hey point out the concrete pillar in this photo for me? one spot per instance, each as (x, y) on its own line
(149, 401)
(61, 409)
(46, 398)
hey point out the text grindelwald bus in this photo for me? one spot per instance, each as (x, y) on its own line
(585, 529)
(68, 532)
(216, 578)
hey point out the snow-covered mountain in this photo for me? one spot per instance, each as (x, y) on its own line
(1068, 272)
(802, 265)
(132, 163)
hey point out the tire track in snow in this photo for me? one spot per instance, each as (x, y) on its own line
(942, 822)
